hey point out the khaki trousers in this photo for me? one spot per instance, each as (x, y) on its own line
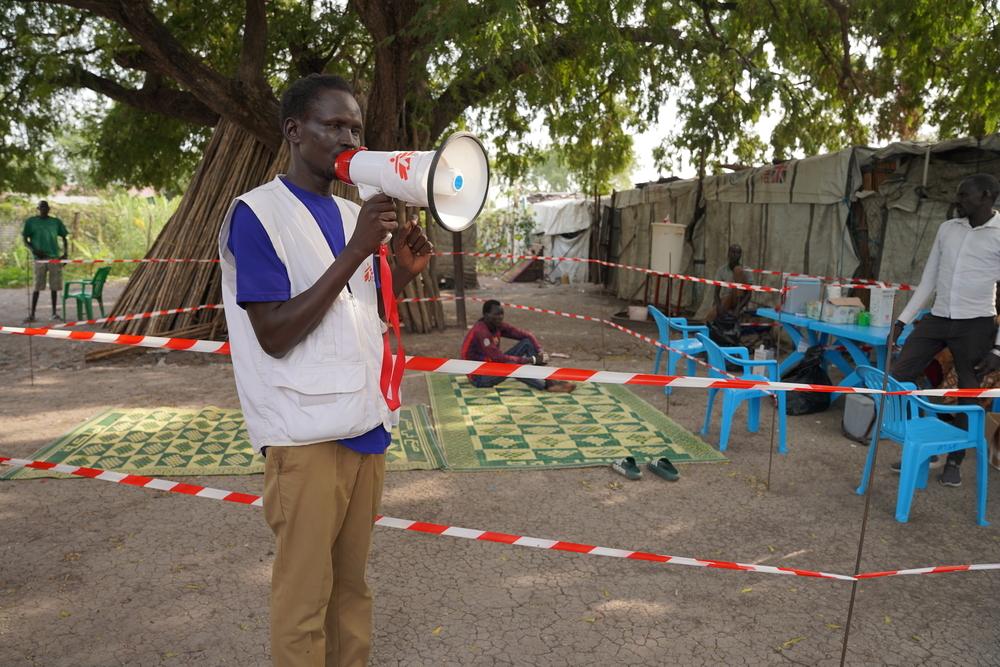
(321, 500)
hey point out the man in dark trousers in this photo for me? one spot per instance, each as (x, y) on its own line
(483, 342)
(963, 269)
(41, 234)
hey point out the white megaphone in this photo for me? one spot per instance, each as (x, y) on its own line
(451, 182)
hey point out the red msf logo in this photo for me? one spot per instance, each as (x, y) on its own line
(402, 163)
(368, 275)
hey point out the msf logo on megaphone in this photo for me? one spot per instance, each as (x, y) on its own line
(451, 182)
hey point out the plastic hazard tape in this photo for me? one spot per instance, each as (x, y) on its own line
(641, 269)
(139, 316)
(493, 369)
(484, 535)
(188, 344)
(902, 287)
(145, 260)
(137, 480)
(839, 281)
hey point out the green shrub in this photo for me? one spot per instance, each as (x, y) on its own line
(120, 226)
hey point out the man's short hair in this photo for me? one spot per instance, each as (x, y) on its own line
(490, 306)
(984, 183)
(297, 97)
(43, 203)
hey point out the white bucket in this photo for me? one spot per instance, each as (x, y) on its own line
(637, 313)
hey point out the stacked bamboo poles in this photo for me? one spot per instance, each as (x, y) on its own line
(234, 163)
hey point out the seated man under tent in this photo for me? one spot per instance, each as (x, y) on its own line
(483, 342)
(728, 304)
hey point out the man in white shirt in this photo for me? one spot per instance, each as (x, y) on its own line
(963, 269)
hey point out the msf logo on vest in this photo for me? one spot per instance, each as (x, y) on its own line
(368, 275)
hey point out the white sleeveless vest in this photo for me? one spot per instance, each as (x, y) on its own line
(327, 386)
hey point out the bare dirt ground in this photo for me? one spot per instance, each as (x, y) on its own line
(100, 574)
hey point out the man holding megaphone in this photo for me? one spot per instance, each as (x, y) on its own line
(305, 278)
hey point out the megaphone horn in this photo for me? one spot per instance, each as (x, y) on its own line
(451, 182)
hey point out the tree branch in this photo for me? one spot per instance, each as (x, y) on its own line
(254, 48)
(250, 104)
(152, 97)
(841, 10)
(473, 86)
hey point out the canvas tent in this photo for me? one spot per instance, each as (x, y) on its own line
(564, 227)
(857, 212)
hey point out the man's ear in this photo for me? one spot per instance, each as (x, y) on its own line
(291, 130)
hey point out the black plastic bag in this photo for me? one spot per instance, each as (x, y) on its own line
(809, 371)
(725, 331)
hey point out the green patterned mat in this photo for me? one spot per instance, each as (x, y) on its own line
(514, 426)
(210, 441)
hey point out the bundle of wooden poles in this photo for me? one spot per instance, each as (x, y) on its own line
(233, 163)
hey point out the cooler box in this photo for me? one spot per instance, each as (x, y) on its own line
(806, 290)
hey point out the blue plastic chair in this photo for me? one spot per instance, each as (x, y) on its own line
(910, 421)
(718, 357)
(686, 343)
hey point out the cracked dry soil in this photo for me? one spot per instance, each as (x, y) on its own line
(100, 574)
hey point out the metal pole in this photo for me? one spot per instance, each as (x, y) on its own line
(27, 290)
(869, 481)
(777, 355)
(456, 244)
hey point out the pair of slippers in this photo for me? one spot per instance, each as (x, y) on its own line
(661, 467)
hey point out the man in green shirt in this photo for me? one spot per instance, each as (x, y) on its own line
(41, 234)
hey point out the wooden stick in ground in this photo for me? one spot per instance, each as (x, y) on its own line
(777, 350)
(425, 313)
(869, 482)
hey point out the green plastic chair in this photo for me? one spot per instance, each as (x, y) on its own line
(90, 289)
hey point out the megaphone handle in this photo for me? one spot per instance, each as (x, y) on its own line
(366, 192)
(391, 376)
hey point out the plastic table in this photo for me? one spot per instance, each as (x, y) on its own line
(806, 333)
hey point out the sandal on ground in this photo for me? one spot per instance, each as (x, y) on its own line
(627, 467)
(664, 468)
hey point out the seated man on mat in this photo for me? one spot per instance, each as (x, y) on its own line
(482, 343)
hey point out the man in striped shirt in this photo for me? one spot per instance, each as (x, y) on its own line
(483, 341)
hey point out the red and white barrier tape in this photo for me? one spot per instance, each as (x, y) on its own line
(465, 367)
(188, 344)
(870, 285)
(839, 281)
(482, 535)
(641, 269)
(138, 316)
(859, 283)
(145, 260)
(137, 480)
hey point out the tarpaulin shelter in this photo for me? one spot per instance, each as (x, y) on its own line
(564, 226)
(858, 212)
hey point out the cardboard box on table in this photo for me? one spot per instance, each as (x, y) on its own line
(842, 310)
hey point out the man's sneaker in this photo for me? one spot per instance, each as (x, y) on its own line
(29, 319)
(951, 475)
(899, 464)
(55, 318)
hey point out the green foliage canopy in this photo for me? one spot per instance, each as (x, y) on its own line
(159, 75)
